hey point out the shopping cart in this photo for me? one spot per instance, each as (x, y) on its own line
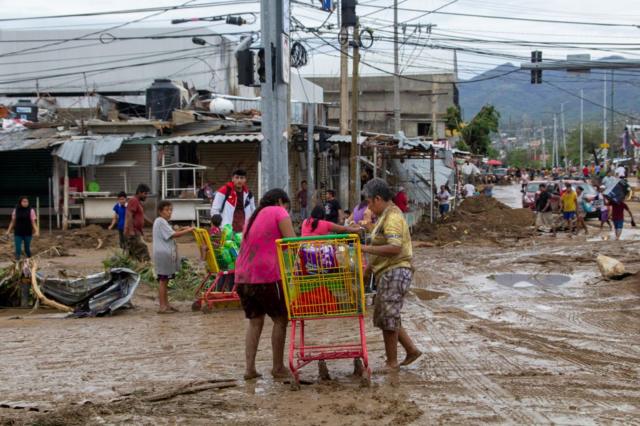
(322, 279)
(219, 292)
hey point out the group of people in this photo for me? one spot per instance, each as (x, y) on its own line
(257, 272)
(574, 208)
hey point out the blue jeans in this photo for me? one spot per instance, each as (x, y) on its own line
(18, 239)
(444, 208)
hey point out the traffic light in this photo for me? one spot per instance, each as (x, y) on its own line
(261, 66)
(348, 8)
(245, 60)
(536, 74)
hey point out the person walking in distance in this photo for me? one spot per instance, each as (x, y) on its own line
(134, 222)
(443, 200)
(301, 196)
(332, 208)
(617, 216)
(390, 254)
(544, 213)
(569, 203)
(601, 204)
(234, 202)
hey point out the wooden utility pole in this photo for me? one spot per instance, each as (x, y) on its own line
(354, 190)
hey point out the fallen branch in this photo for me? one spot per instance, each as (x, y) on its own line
(191, 388)
(41, 296)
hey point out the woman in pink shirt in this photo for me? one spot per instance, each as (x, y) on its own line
(258, 276)
(316, 225)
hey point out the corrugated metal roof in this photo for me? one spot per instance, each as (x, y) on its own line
(346, 139)
(228, 138)
(28, 139)
(88, 150)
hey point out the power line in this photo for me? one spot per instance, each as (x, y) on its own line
(128, 11)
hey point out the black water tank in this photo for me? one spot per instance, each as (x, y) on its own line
(26, 110)
(163, 97)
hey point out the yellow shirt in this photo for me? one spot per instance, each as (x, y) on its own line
(391, 229)
(569, 201)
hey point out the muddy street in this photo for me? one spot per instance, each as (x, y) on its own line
(522, 332)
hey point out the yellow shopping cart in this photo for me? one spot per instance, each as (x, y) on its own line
(322, 278)
(221, 292)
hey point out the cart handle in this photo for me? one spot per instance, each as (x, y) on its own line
(316, 238)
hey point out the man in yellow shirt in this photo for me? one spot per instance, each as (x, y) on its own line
(569, 203)
(389, 260)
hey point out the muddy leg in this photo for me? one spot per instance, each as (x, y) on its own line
(254, 330)
(413, 352)
(162, 295)
(277, 346)
(391, 348)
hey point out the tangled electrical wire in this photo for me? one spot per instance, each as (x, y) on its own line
(299, 57)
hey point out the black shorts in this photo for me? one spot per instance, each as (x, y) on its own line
(262, 299)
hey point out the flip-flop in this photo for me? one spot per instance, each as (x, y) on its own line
(411, 358)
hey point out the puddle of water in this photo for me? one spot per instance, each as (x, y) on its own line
(530, 280)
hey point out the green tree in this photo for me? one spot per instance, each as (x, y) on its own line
(521, 158)
(453, 119)
(462, 146)
(477, 133)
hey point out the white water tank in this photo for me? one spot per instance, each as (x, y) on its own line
(221, 106)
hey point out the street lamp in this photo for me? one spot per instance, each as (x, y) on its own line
(229, 19)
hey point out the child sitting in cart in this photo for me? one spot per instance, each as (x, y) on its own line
(215, 233)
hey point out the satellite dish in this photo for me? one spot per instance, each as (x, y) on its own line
(221, 106)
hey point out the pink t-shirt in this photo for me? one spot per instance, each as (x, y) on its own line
(324, 228)
(258, 259)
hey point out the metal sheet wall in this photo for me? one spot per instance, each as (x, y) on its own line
(223, 158)
(112, 179)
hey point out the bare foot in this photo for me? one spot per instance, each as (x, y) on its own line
(410, 358)
(280, 373)
(250, 375)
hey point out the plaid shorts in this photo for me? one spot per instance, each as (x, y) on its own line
(392, 286)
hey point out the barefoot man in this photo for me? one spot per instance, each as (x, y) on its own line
(389, 259)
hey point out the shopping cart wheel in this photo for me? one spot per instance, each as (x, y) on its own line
(295, 384)
(206, 309)
(196, 305)
(358, 367)
(323, 371)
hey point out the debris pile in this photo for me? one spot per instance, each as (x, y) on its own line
(478, 219)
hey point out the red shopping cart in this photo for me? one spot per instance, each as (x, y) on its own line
(322, 279)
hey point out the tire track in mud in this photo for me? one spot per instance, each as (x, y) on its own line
(486, 391)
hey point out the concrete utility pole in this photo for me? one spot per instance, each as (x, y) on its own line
(310, 156)
(354, 190)
(434, 108)
(611, 126)
(581, 127)
(274, 152)
(564, 134)
(604, 116)
(544, 147)
(555, 141)
(397, 126)
(344, 76)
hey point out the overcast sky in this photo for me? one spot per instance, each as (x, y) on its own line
(423, 52)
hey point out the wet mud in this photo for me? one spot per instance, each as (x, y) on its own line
(557, 351)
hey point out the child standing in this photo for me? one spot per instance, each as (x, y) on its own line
(119, 214)
(165, 252)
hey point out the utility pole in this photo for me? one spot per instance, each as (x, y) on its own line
(344, 73)
(604, 117)
(434, 107)
(354, 191)
(555, 140)
(310, 155)
(564, 135)
(544, 147)
(582, 127)
(274, 153)
(611, 127)
(396, 72)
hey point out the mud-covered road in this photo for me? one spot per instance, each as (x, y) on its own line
(553, 343)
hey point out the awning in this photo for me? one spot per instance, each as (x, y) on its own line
(88, 150)
(228, 138)
(29, 139)
(346, 139)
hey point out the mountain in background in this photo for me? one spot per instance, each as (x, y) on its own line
(521, 103)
